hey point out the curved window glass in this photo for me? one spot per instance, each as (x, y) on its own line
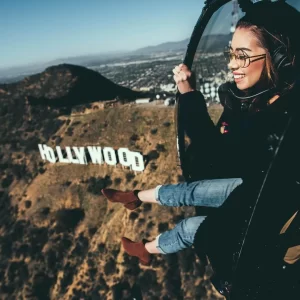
(209, 64)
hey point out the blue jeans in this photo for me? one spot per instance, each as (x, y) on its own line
(210, 193)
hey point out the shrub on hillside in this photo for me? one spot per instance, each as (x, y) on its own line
(160, 148)
(176, 219)
(153, 154)
(67, 183)
(129, 176)
(121, 290)
(69, 131)
(44, 211)
(141, 221)
(117, 181)
(92, 231)
(147, 206)
(27, 203)
(19, 170)
(101, 248)
(133, 216)
(3, 110)
(153, 167)
(163, 227)
(134, 184)
(7, 181)
(69, 218)
(150, 225)
(50, 126)
(58, 140)
(110, 267)
(42, 170)
(76, 123)
(32, 143)
(95, 185)
(154, 131)
(134, 137)
(148, 279)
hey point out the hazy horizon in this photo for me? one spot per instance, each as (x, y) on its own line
(104, 54)
(35, 33)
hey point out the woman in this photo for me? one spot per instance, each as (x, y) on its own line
(259, 58)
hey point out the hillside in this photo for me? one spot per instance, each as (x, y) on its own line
(60, 238)
(66, 85)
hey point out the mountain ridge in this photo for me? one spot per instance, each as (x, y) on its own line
(211, 43)
(67, 85)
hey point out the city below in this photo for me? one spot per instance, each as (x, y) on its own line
(150, 69)
(154, 73)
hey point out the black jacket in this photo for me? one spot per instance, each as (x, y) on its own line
(245, 150)
(247, 144)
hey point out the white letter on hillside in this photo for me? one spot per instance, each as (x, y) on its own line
(124, 157)
(79, 152)
(95, 154)
(43, 151)
(137, 161)
(70, 156)
(47, 153)
(110, 156)
(60, 155)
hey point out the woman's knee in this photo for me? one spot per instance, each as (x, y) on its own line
(190, 225)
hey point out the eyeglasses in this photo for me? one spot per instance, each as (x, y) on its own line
(242, 59)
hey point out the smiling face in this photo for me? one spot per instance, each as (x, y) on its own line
(245, 43)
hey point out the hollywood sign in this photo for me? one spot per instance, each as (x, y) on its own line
(97, 155)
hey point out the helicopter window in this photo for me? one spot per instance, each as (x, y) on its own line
(294, 3)
(209, 64)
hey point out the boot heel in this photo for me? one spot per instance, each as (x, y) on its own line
(133, 205)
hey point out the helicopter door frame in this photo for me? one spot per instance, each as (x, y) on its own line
(210, 7)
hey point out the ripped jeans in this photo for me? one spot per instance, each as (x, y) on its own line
(210, 193)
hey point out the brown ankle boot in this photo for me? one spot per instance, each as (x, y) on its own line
(129, 199)
(137, 249)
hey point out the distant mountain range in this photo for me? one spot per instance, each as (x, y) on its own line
(66, 85)
(164, 47)
(209, 43)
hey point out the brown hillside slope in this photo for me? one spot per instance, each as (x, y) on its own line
(60, 238)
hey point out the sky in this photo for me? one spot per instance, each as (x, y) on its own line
(39, 31)
(35, 31)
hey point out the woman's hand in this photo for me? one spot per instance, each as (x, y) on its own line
(184, 79)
